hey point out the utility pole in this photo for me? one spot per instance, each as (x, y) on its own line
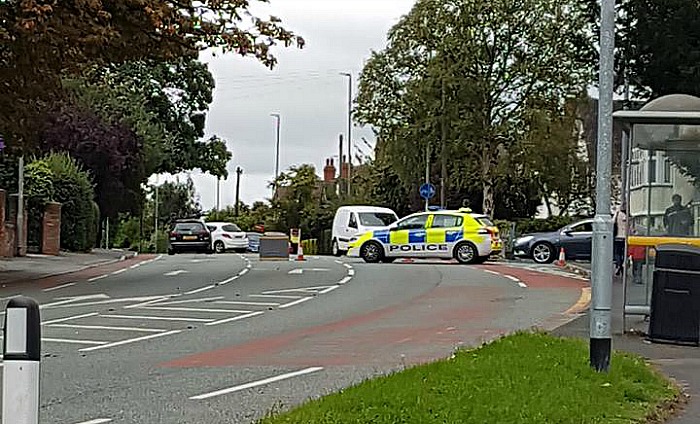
(218, 194)
(278, 118)
(443, 136)
(239, 171)
(601, 281)
(427, 172)
(156, 218)
(349, 75)
(340, 160)
(20, 209)
(625, 145)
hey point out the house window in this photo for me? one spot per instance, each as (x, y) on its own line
(652, 169)
(667, 170)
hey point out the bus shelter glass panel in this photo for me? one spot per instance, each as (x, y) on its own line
(663, 179)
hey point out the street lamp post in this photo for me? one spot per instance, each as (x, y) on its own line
(239, 171)
(278, 118)
(349, 75)
(601, 281)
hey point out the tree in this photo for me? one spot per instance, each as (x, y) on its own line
(177, 200)
(458, 78)
(41, 42)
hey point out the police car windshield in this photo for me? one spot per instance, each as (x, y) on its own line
(376, 219)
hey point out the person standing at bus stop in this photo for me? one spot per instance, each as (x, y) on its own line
(620, 233)
(678, 219)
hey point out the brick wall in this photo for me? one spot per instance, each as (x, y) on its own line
(8, 225)
(51, 229)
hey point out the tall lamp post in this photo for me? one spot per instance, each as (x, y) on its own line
(278, 119)
(349, 75)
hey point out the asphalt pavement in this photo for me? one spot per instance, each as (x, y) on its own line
(228, 338)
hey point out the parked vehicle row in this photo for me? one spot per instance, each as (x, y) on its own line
(194, 235)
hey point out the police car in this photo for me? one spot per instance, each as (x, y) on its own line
(438, 234)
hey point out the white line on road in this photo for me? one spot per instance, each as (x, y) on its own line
(62, 286)
(146, 317)
(123, 342)
(328, 290)
(344, 280)
(230, 280)
(297, 271)
(119, 271)
(134, 266)
(224, 311)
(351, 272)
(338, 262)
(298, 290)
(199, 290)
(71, 341)
(296, 302)
(249, 265)
(101, 327)
(521, 284)
(491, 272)
(348, 266)
(56, 321)
(97, 421)
(68, 300)
(257, 383)
(273, 296)
(150, 302)
(204, 299)
(238, 318)
(244, 272)
(93, 279)
(236, 302)
(174, 273)
(511, 278)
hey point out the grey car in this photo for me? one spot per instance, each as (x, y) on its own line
(576, 240)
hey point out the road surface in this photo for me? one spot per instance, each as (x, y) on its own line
(228, 338)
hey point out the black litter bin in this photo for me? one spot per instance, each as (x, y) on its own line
(675, 300)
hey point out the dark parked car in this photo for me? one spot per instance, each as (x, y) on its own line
(543, 248)
(254, 242)
(189, 236)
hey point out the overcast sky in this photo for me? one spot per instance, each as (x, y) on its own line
(305, 88)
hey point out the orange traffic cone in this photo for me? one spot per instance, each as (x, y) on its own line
(562, 257)
(300, 253)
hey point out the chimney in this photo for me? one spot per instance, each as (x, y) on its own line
(344, 169)
(329, 171)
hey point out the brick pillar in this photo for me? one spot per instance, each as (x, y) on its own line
(329, 171)
(51, 229)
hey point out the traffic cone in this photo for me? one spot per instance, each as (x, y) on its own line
(562, 258)
(300, 253)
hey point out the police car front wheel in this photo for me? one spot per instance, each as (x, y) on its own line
(372, 252)
(466, 253)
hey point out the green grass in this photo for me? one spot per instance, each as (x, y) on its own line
(523, 378)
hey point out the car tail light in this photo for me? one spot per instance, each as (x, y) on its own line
(226, 236)
(173, 234)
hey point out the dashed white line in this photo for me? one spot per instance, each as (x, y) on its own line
(62, 286)
(152, 318)
(521, 284)
(203, 289)
(223, 311)
(97, 421)
(256, 383)
(244, 272)
(344, 280)
(296, 302)
(279, 296)
(328, 290)
(119, 271)
(249, 265)
(511, 278)
(93, 279)
(200, 300)
(236, 302)
(230, 280)
(150, 302)
(134, 266)
(56, 321)
(348, 266)
(238, 318)
(491, 272)
(351, 272)
(72, 341)
(134, 340)
(175, 273)
(338, 262)
(101, 327)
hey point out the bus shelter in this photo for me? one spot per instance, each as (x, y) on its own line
(661, 191)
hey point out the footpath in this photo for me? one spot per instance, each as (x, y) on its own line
(36, 267)
(682, 363)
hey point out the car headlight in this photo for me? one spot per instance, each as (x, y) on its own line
(525, 239)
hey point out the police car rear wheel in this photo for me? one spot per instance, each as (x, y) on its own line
(371, 252)
(466, 253)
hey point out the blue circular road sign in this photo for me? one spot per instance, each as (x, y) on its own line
(427, 191)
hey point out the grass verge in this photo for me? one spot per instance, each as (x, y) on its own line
(524, 378)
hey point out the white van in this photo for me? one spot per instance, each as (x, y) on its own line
(351, 221)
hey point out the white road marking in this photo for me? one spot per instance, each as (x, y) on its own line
(108, 302)
(62, 286)
(97, 421)
(348, 266)
(71, 341)
(199, 290)
(238, 318)
(174, 273)
(232, 279)
(145, 317)
(55, 321)
(297, 271)
(298, 290)
(68, 300)
(8, 297)
(279, 296)
(249, 265)
(511, 278)
(93, 279)
(296, 302)
(204, 299)
(491, 272)
(123, 342)
(244, 272)
(101, 327)
(134, 266)
(150, 302)
(119, 271)
(344, 280)
(338, 262)
(236, 302)
(328, 290)
(256, 383)
(351, 272)
(223, 311)
(521, 284)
